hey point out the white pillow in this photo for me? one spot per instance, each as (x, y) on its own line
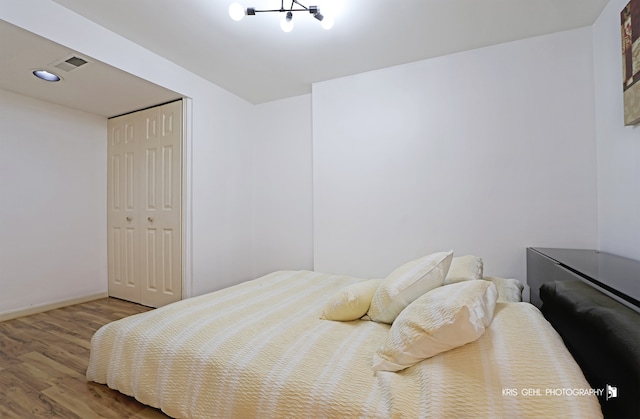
(407, 283)
(351, 302)
(464, 268)
(509, 289)
(440, 320)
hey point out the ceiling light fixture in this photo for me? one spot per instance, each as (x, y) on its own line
(46, 75)
(237, 12)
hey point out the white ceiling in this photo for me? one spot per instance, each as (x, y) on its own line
(80, 87)
(255, 60)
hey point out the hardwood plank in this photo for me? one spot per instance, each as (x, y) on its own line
(23, 338)
(26, 401)
(49, 366)
(43, 362)
(27, 373)
(149, 413)
(113, 400)
(63, 356)
(82, 406)
(50, 307)
(88, 395)
(6, 413)
(70, 401)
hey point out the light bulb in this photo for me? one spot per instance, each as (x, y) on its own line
(332, 8)
(46, 75)
(327, 22)
(287, 22)
(236, 11)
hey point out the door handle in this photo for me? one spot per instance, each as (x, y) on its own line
(150, 219)
(128, 218)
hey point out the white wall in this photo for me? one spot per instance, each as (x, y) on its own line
(220, 197)
(282, 186)
(53, 168)
(618, 146)
(484, 152)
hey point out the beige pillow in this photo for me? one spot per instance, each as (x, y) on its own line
(440, 320)
(351, 302)
(407, 283)
(464, 268)
(509, 289)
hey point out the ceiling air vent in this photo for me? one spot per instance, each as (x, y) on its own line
(70, 63)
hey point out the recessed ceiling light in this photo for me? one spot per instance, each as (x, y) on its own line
(46, 75)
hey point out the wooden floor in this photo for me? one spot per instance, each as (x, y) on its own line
(43, 360)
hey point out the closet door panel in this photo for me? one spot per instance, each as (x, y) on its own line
(161, 211)
(144, 205)
(122, 211)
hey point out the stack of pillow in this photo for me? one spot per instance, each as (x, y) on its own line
(426, 317)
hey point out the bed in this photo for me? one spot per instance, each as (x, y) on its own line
(263, 349)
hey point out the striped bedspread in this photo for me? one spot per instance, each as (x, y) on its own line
(259, 349)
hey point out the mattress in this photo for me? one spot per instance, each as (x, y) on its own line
(260, 349)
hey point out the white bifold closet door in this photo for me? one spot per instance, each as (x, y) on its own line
(144, 205)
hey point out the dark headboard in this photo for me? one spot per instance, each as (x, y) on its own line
(594, 307)
(604, 338)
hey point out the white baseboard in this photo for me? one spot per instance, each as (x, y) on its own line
(40, 308)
